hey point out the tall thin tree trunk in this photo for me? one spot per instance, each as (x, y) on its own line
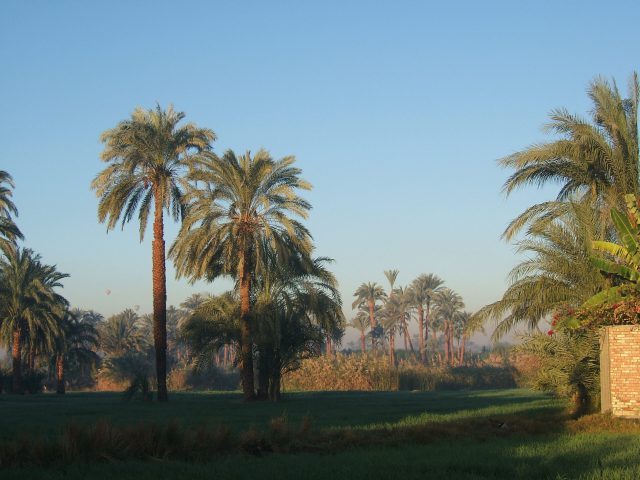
(225, 355)
(392, 349)
(246, 347)
(60, 388)
(461, 362)
(263, 374)
(372, 321)
(159, 298)
(404, 337)
(446, 342)
(408, 337)
(16, 354)
(328, 346)
(421, 333)
(31, 362)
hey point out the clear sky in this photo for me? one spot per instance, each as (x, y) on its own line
(396, 112)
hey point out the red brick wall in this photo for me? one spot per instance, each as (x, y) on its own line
(620, 362)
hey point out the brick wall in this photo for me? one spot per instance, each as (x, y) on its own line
(620, 370)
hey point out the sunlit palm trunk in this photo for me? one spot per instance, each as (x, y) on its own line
(246, 351)
(60, 388)
(461, 360)
(329, 347)
(16, 354)
(225, 355)
(159, 299)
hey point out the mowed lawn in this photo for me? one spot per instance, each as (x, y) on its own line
(557, 455)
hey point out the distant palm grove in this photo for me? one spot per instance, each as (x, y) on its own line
(242, 217)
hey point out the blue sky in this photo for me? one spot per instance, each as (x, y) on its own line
(396, 111)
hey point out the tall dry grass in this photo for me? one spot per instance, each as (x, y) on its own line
(372, 372)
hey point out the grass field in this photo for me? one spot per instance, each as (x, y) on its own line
(472, 447)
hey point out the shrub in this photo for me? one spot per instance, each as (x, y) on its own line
(372, 372)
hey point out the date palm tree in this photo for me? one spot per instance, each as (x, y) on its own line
(77, 344)
(595, 161)
(448, 304)
(423, 290)
(367, 294)
(395, 314)
(557, 271)
(8, 229)
(31, 306)
(148, 155)
(241, 207)
(361, 323)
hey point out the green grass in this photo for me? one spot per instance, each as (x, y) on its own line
(581, 456)
(47, 414)
(466, 455)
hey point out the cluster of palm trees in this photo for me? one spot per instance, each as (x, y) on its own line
(434, 307)
(595, 162)
(35, 320)
(241, 217)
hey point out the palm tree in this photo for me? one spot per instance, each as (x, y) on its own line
(246, 206)
(8, 229)
(448, 305)
(423, 290)
(596, 161)
(31, 306)
(361, 323)
(557, 271)
(368, 294)
(395, 313)
(392, 275)
(77, 344)
(464, 326)
(148, 155)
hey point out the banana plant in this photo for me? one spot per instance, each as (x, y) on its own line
(622, 260)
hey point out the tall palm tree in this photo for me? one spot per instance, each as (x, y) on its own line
(361, 323)
(595, 161)
(241, 207)
(423, 290)
(148, 155)
(8, 229)
(368, 294)
(395, 313)
(31, 306)
(77, 344)
(448, 305)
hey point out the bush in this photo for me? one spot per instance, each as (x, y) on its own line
(370, 372)
(210, 378)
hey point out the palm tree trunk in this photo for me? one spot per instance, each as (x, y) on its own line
(246, 347)
(408, 337)
(329, 349)
(16, 354)
(159, 298)
(372, 321)
(421, 334)
(392, 349)
(225, 355)
(60, 389)
(363, 345)
(446, 342)
(461, 361)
